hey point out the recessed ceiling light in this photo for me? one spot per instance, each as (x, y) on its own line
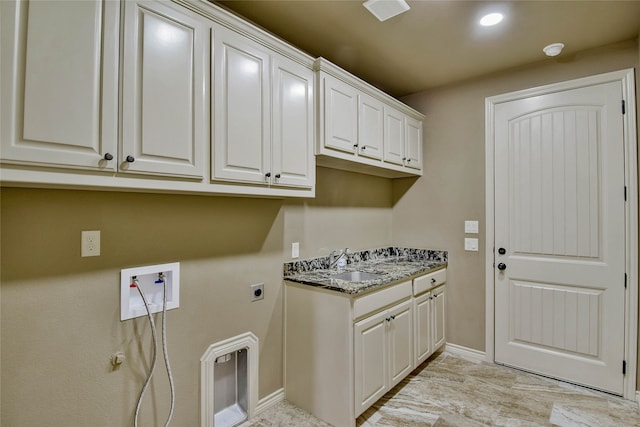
(491, 19)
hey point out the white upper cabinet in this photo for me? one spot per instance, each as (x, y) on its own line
(364, 130)
(402, 139)
(262, 115)
(164, 90)
(340, 115)
(59, 83)
(293, 160)
(394, 136)
(144, 95)
(413, 143)
(370, 127)
(241, 109)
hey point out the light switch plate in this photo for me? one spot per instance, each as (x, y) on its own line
(471, 227)
(295, 250)
(470, 244)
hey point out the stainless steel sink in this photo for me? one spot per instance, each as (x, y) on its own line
(356, 276)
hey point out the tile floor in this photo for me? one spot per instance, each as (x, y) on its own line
(450, 391)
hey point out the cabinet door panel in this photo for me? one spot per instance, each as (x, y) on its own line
(413, 143)
(422, 328)
(241, 119)
(370, 130)
(340, 115)
(370, 337)
(438, 317)
(164, 70)
(400, 342)
(394, 136)
(59, 82)
(292, 146)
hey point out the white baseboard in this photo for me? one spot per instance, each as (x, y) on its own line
(467, 353)
(270, 400)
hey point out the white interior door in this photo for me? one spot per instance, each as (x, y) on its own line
(560, 221)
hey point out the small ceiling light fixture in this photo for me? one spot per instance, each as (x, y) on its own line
(553, 49)
(491, 19)
(385, 9)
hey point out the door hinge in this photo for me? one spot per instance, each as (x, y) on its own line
(624, 109)
(625, 193)
(625, 280)
(624, 367)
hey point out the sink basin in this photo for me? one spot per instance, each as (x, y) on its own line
(356, 276)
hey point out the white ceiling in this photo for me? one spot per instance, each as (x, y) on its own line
(439, 42)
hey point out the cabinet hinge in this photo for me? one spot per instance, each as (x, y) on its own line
(624, 109)
(624, 367)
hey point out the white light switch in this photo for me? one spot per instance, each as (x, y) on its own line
(470, 244)
(471, 227)
(295, 250)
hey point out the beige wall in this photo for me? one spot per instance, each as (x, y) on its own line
(433, 210)
(60, 312)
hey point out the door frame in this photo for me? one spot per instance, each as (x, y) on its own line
(626, 77)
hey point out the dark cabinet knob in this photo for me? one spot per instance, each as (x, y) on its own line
(502, 266)
(130, 159)
(267, 175)
(108, 156)
(277, 176)
(355, 145)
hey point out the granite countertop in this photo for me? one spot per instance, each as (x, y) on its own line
(392, 264)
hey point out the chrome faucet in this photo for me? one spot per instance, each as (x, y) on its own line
(334, 257)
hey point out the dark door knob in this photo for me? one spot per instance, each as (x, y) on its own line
(502, 266)
(502, 251)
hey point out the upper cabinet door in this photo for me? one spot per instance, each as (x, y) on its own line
(340, 115)
(59, 83)
(241, 110)
(292, 159)
(370, 127)
(164, 89)
(394, 136)
(413, 145)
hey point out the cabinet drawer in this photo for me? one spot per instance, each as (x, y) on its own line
(381, 299)
(424, 283)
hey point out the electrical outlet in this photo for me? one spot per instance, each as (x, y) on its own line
(295, 250)
(90, 245)
(257, 292)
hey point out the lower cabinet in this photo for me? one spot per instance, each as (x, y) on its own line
(344, 352)
(383, 353)
(429, 323)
